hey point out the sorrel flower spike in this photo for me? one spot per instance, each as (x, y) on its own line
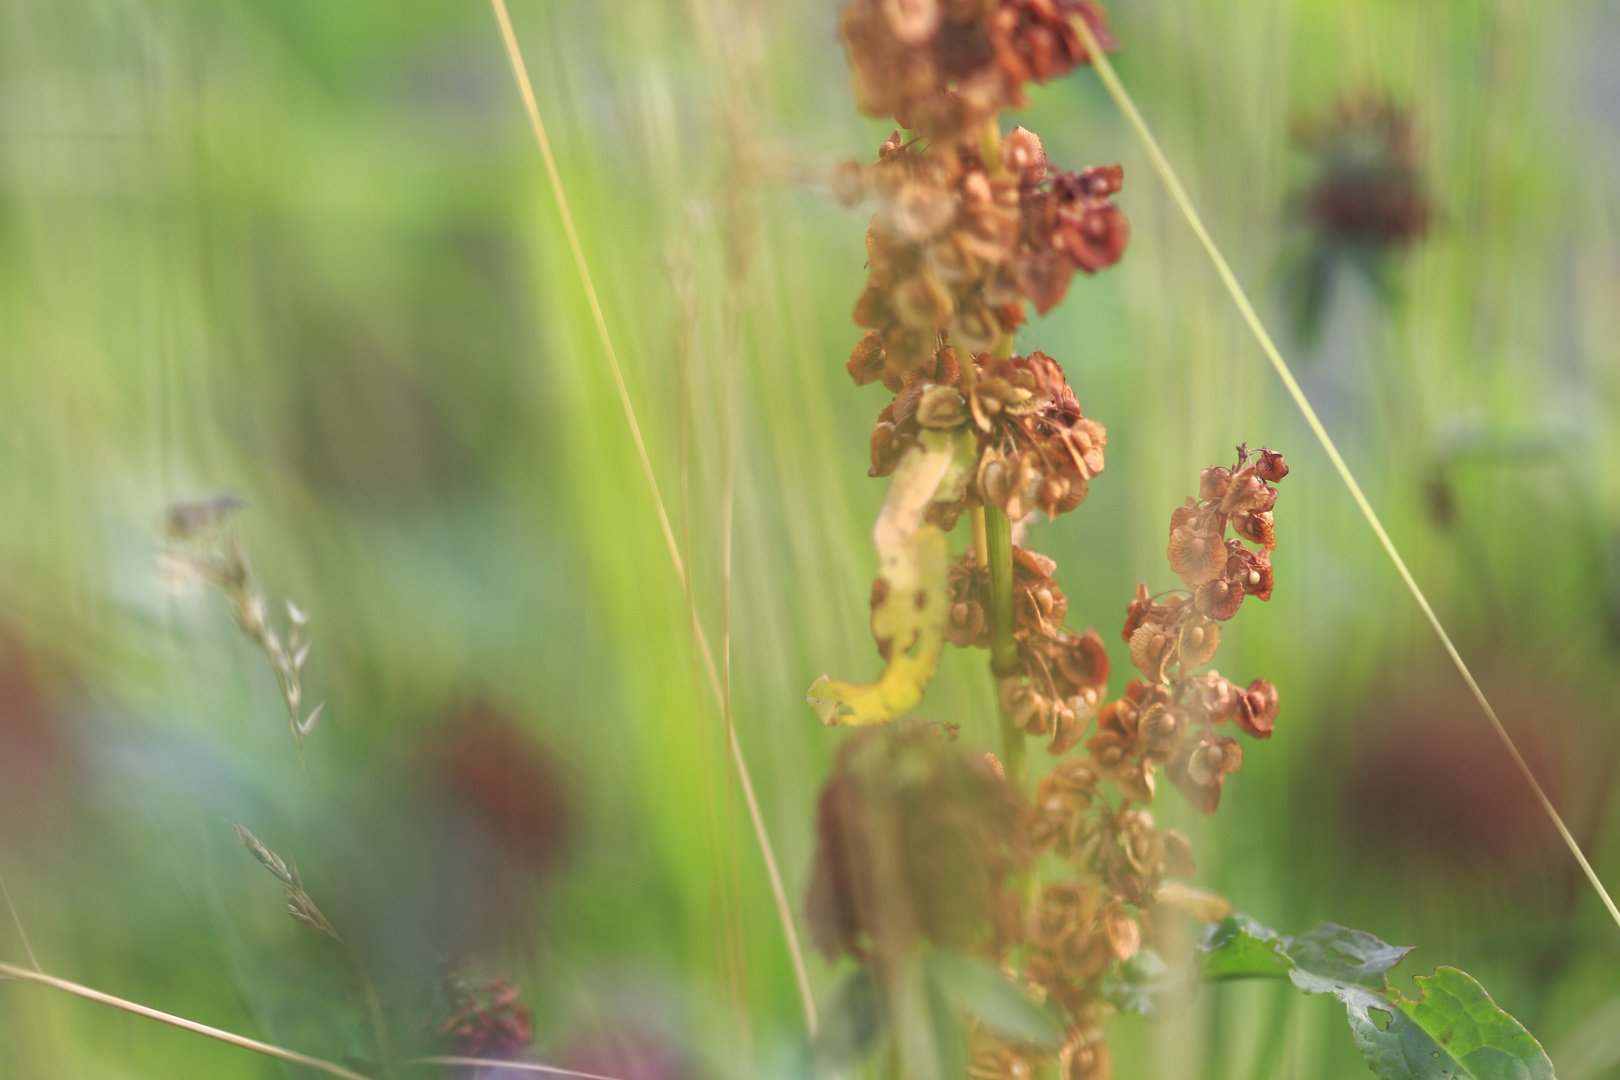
(908, 597)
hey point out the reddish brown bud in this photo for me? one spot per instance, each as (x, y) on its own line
(1247, 492)
(1088, 1061)
(1200, 766)
(1250, 571)
(1257, 707)
(1083, 660)
(922, 302)
(1196, 643)
(1271, 465)
(1195, 555)
(1219, 599)
(1152, 650)
(1023, 155)
(1178, 855)
(866, 359)
(1043, 277)
(913, 22)
(1256, 527)
(1214, 482)
(1137, 611)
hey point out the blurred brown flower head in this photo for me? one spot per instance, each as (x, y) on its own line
(486, 1019)
(496, 820)
(914, 839)
(506, 784)
(39, 751)
(1366, 201)
(1369, 186)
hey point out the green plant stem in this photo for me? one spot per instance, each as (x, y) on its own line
(990, 147)
(379, 1029)
(998, 544)
(1004, 651)
(1004, 664)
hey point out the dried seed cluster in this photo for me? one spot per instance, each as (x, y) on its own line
(1060, 676)
(918, 838)
(958, 245)
(966, 291)
(971, 227)
(1126, 892)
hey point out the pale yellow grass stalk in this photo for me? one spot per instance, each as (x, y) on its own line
(25, 975)
(516, 1066)
(531, 106)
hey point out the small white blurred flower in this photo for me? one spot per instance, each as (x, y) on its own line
(179, 575)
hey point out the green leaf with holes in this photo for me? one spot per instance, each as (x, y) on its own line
(1452, 1031)
(1333, 955)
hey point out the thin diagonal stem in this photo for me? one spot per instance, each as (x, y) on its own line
(531, 106)
(180, 1022)
(516, 1066)
(16, 921)
(1178, 194)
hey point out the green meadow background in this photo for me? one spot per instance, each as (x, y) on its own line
(305, 252)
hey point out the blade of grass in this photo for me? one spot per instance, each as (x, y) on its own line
(16, 921)
(679, 267)
(784, 913)
(1178, 194)
(728, 485)
(718, 853)
(180, 1022)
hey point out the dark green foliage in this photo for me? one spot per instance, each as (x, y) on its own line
(999, 1004)
(1140, 981)
(850, 1026)
(922, 1012)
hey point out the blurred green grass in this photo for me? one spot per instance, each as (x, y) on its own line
(305, 252)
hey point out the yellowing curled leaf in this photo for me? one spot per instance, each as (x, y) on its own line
(1201, 904)
(908, 619)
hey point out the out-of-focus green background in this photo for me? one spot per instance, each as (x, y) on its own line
(305, 252)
